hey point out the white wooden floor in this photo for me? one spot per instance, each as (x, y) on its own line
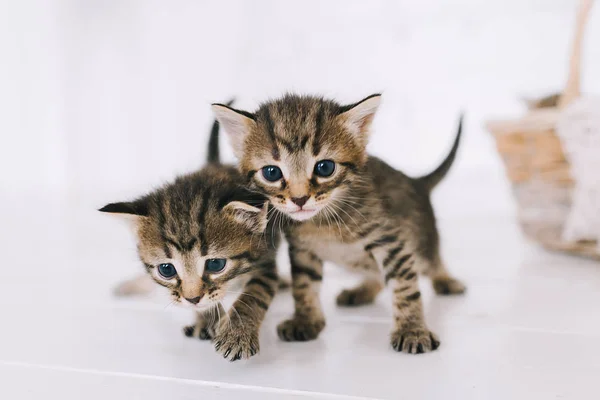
(527, 328)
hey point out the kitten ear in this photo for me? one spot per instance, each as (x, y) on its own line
(357, 117)
(236, 123)
(131, 211)
(254, 218)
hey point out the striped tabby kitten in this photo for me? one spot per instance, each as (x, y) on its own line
(204, 236)
(308, 155)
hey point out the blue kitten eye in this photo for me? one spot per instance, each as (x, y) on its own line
(167, 270)
(272, 173)
(324, 168)
(215, 264)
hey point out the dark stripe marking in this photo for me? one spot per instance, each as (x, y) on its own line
(259, 282)
(167, 251)
(271, 132)
(318, 131)
(238, 272)
(201, 219)
(190, 245)
(246, 255)
(392, 254)
(261, 304)
(312, 274)
(401, 290)
(174, 244)
(350, 166)
(397, 266)
(380, 242)
(403, 272)
(270, 275)
(414, 296)
(303, 142)
(368, 230)
(291, 147)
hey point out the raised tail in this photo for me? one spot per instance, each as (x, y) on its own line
(431, 180)
(214, 155)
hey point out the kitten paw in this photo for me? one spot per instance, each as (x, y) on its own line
(200, 332)
(414, 341)
(300, 329)
(283, 284)
(448, 286)
(237, 343)
(355, 297)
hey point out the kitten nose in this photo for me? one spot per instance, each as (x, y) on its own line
(194, 300)
(300, 201)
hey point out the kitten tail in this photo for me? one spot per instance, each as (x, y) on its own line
(431, 180)
(214, 156)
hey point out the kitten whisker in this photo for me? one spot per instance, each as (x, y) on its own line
(333, 217)
(169, 304)
(339, 217)
(339, 207)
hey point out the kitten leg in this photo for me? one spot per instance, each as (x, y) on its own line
(410, 334)
(205, 325)
(284, 284)
(365, 293)
(140, 285)
(443, 283)
(308, 320)
(237, 334)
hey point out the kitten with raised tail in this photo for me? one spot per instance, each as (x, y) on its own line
(204, 237)
(308, 156)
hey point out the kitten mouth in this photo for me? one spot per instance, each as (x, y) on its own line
(302, 214)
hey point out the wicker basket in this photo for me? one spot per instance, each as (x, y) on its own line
(536, 165)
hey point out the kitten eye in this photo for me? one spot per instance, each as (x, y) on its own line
(167, 270)
(324, 168)
(272, 173)
(215, 264)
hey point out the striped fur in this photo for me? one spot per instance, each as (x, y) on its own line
(366, 216)
(210, 215)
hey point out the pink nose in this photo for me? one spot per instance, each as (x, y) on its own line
(300, 201)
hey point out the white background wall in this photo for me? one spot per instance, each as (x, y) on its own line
(108, 98)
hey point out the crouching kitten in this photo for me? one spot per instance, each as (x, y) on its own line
(204, 236)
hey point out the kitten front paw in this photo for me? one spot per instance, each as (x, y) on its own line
(414, 341)
(237, 342)
(300, 329)
(197, 331)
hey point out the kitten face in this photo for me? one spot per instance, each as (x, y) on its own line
(302, 152)
(200, 235)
